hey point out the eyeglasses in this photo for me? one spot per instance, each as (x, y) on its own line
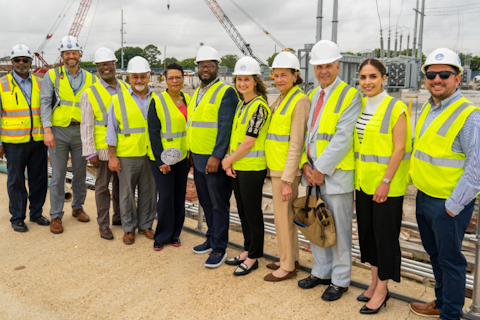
(17, 60)
(178, 78)
(105, 64)
(444, 75)
(209, 67)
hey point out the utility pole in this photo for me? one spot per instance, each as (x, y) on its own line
(420, 33)
(121, 38)
(335, 21)
(319, 21)
(415, 31)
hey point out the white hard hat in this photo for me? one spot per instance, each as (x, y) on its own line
(287, 60)
(247, 66)
(207, 53)
(323, 52)
(21, 50)
(69, 43)
(443, 56)
(138, 65)
(104, 54)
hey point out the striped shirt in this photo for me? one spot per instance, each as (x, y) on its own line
(87, 125)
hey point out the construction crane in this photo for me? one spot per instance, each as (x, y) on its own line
(232, 31)
(263, 29)
(74, 29)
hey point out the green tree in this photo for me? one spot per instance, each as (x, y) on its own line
(87, 64)
(188, 63)
(475, 63)
(270, 60)
(168, 60)
(229, 60)
(151, 53)
(128, 53)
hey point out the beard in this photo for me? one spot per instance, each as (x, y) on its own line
(208, 80)
(140, 87)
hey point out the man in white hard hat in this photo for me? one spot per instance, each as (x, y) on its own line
(210, 117)
(328, 161)
(445, 169)
(129, 147)
(21, 133)
(60, 110)
(93, 128)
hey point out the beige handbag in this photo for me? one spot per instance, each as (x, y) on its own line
(314, 220)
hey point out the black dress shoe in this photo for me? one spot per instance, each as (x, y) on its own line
(333, 292)
(363, 298)
(234, 261)
(158, 245)
(367, 310)
(20, 226)
(41, 221)
(311, 281)
(176, 242)
(244, 269)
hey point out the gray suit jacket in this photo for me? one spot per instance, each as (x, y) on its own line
(336, 180)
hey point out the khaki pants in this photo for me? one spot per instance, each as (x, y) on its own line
(287, 235)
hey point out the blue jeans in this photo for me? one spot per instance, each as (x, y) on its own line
(214, 191)
(33, 156)
(442, 237)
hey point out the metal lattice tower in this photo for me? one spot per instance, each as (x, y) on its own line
(80, 18)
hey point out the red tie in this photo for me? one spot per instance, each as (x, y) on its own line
(315, 115)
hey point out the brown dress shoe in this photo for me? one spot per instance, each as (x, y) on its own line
(105, 232)
(147, 232)
(80, 215)
(273, 266)
(425, 309)
(56, 225)
(129, 237)
(272, 278)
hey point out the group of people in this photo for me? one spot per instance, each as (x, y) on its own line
(332, 139)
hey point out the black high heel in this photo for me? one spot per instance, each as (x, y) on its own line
(367, 310)
(363, 298)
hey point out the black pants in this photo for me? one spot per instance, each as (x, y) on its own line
(248, 186)
(171, 200)
(378, 229)
(33, 156)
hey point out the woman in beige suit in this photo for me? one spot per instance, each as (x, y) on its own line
(283, 149)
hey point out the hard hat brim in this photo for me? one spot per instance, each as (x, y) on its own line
(245, 73)
(297, 70)
(325, 61)
(447, 64)
(197, 61)
(104, 60)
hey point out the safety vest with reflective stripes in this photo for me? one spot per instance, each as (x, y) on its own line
(69, 107)
(435, 169)
(337, 103)
(132, 132)
(254, 160)
(202, 124)
(173, 123)
(312, 92)
(373, 155)
(278, 136)
(100, 100)
(17, 115)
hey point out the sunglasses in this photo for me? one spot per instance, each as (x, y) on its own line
(17, 60)
(444, 75)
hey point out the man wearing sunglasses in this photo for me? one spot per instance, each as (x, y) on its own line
(21, 133)
(94, 107)
(445, 169)
(60, 110)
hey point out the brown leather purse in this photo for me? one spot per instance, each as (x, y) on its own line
(314, 220)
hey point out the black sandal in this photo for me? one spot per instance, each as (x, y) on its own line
(234, 261)
(245, 269)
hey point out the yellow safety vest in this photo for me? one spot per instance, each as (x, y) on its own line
(100, 100)
(255, 159)
(17, 115)
(336, 104)
(172, 132)
(202, 125)
(132, 133)
(373, 155)
(312, 92)
(69, 107)
(435, 169)
(278, 136)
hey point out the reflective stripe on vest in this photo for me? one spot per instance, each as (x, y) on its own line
(204, 124)
(278, 137)
(126, 127)
(379, 159)
(102, 107)
(169, 135)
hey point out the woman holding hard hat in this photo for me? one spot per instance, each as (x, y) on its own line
(167, 118)
(247, 164)
(383, 145)
(283, 149)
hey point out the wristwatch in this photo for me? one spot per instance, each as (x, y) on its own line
(386, 180)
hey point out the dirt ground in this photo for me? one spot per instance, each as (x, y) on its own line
(78, 275)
